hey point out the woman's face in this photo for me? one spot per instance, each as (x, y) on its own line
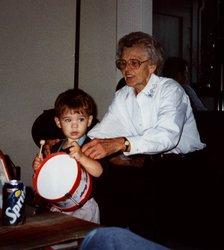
(137, 77)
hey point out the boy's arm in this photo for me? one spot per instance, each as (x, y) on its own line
(93, 167)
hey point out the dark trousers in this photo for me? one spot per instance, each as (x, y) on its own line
(168, 199)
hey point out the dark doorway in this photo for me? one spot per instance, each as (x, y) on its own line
(193, 30)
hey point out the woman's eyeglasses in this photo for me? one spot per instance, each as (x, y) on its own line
(132, 63)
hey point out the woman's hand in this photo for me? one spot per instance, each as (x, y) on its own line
(49, 144)
(99, 148)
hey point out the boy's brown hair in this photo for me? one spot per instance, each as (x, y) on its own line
(77, 101)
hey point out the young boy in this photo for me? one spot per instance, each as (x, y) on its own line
(74, 110)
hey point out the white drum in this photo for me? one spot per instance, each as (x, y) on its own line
(63, 182)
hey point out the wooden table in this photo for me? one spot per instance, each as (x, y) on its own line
(42, 230)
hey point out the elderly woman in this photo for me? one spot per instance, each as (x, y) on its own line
(150, 115)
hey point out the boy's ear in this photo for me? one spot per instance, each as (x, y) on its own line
(90, 120)
(57, 121)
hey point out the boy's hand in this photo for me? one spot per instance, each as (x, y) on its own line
(37, 161)
(75, 151)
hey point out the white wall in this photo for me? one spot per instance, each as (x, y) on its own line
(103, 22)
(37, 63)
(97, 50)
(37, 60)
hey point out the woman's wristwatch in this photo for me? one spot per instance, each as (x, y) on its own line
(126, 143)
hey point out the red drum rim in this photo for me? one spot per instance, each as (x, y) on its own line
(40, 168)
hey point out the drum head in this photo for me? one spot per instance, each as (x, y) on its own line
(56, 176)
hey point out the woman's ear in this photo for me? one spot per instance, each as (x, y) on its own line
(152, 68)
(57, 121)
(90, 119)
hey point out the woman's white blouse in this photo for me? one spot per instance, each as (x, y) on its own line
(159, 119)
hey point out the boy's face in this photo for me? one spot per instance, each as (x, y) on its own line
(73, 125)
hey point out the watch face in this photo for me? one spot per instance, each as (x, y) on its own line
(126, 143)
